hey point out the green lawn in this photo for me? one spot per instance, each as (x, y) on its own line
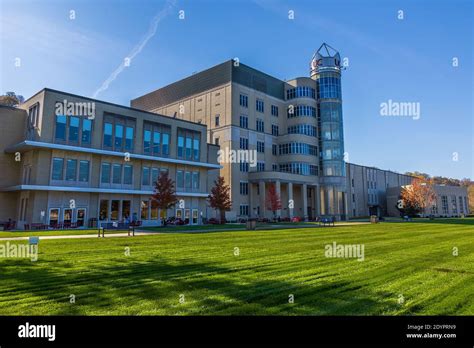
(409, 261)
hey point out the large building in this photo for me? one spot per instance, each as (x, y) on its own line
(67, 159)
(294, 127)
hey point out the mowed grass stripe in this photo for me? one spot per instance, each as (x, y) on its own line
(400, 258)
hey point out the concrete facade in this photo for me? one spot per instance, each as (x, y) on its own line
(367, 189)
(98, 168)
(294, 128)
(451, 201)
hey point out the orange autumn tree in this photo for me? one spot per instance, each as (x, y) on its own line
(273, 200)
(417, 197)
(219, 198)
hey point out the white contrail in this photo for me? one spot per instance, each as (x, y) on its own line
(138, 48)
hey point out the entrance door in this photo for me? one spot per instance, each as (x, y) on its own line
(81, 217)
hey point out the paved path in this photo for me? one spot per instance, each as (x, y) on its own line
(147, 233)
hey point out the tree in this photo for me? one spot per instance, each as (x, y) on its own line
(219, 198)
(11, 99)
(273, 200)
(417, 197)
(164, 195)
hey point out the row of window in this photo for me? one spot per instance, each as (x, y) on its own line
(156, 140)
(305, 129)
(73, 129)
(69, 170)
(299, 168)
(68, 216)
(332, 153)
(298, 148)
(119, 135)
(301, 110)
(259, 126)
(188, 144)
(329, 87)
(301, 91)
(331, 131)
(186, 179)
(259, 105)
(116, 173)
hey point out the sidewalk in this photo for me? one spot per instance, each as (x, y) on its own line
(147, 233)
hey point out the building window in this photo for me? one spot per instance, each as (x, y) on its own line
(304, 129)
(275, 110)
(299, 149)
(191, 140)
(244, 101)
(216, 141)
(105, 175)
(104, 210)
(301, 111)
(83, 171)
(156, 139)
(71, 168)
(300, 92)
(187, 180)
(244, 121)
(275, 167)
(127, 174)
(74, 129)
(53, 216)
(116, 173)
(216, 121)
(299, 168)
(154, 175)
(455, 205)
(244, 210)
(274, 150)
(260, 146)
(107, 134)
(329, 87)
(58, 164)
(244, 143)
(244, 167)
(118, 133)
(244, 188)
(144, 210)
(260, 166)
(114, 209)
(461, 206)
(146, 176)
(86, 131)
(60, 127)
(260, 125)
(195, 180)
(274, 129)
(259, 105)
(180, 179)
(33, 116)
(444, 204)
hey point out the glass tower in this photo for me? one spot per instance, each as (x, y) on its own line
(326, 71)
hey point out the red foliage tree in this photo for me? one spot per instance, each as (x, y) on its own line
(219, 198)
(273, 200)
(164, 195)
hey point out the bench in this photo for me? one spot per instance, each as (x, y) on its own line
(327, 221)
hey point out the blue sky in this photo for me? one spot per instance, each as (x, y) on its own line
(408, 60)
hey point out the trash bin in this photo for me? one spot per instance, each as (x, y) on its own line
(374, 219)
(251, 224)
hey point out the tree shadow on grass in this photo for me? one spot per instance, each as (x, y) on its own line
(154, 287)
